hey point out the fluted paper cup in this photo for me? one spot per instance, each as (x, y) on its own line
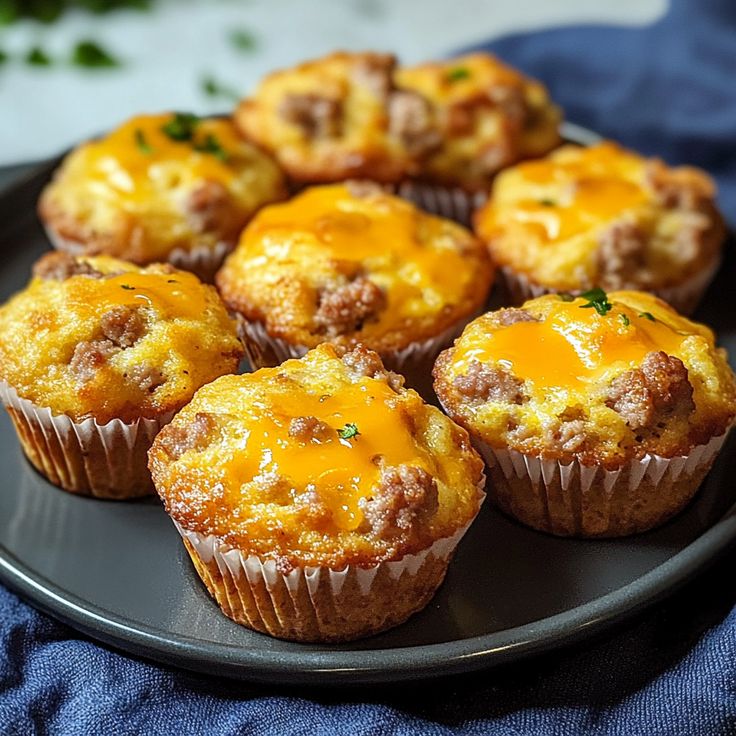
(683, 297)
(320, 604)
(101, 460)
(589, 501)
(450, 202)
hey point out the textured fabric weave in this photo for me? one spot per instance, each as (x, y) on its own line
(670, 90)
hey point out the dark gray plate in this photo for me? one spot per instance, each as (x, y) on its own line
(118, 572)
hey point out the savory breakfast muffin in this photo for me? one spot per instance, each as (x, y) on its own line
(349, 263)
(603, 217)
(170, 187)
(489, 116)
(95, 356)
(598, 415)
(319, 500)
(340, 116)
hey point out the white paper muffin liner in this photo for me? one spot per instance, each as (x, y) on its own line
(202, 260)
(684, 297)
(320, 603)
(101, 460)
(414, 362)
(583, 500)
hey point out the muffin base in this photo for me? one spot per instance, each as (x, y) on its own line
(577, 500)
(201, 260)
(101, 460)
(318, 604)
(683, 297)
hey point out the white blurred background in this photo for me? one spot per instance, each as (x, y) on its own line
(165, 52)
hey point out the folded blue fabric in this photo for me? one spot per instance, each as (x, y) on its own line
(668, 90)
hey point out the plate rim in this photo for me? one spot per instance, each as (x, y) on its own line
(363, 666)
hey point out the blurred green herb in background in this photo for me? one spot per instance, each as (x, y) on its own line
(47, 11)
(212, 88)
(90, 54)
(38, 57)
(243, 40)
(3, 57)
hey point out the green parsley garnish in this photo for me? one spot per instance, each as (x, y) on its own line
(213, 146)
(93, 56)
(566, 296)
(243, 40)
(598, 300)
(348, 431)
(38, 57)
(624, 318)
(547, 202)
(458, 73)
(127, 287)
(213, 88)
(3, 57)
(649, 316)
(181, 127)
(142, 143)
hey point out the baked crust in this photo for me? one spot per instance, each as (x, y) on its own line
(488, 115)
(350, 263)
(566, 383)
(153, 194)
(99, 337)
(602, 216)
(403, 477)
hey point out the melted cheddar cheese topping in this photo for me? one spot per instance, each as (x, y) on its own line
(427, 267)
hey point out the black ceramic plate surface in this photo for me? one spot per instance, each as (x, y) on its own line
(118, 572)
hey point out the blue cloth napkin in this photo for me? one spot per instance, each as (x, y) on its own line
(670, 90)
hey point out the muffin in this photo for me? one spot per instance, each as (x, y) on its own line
(603, 217)
(597, 416)
(170, 187)
(489, 116)
(319, 500)
(349, 263)
(96, 354)
(340, 116)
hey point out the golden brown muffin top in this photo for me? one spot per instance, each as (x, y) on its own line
(158, 183)
(102, 338)
(601, 216)
(340, 116)
(602, 378)
(326, 460)
(349, 263)
(488, 116)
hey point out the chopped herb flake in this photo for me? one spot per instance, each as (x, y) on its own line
(566, 296)
(171, 281)
(212, 145)
(141, 142)
(649, 316)
(598, 300)
(348, 431)
(243, 40)
(545, 202)
(624, 318)
(127, 287)
(93, 56)
(213, 88)
(181, 126)
(458, 73)
(38, 57)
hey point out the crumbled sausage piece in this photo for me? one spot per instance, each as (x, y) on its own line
(317, 116)
(363, 188)
(406, 493)
(310, 429)
(89, 356)
(572, 435)
(508, 317)
(483, 382)
(178, 439)
(123, 325)
(347, 307)
(313, 507)
(363, 361)
(374, 73)
(621, 255)
(511, 101)
(410, 120)
(495, 156)
(645, 396)
(209, 208)
(59, 266)
(148, 377)
(684, 188)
